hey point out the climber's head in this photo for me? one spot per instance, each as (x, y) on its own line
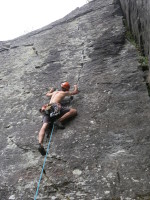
(65, 86)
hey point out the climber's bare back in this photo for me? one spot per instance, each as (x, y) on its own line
(58, 96)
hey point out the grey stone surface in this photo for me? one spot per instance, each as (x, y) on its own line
(138, 18)
(104, 152)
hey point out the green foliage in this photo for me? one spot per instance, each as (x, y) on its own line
(130, 38)
(129, 35)
(143, 60)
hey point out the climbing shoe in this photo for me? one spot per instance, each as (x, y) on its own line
(58, 124)
(42, 150)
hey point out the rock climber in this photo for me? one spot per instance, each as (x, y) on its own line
(64, 112)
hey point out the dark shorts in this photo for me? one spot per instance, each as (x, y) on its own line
(63, 110)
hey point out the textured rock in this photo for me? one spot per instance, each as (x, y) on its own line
(138, 18)
(104, 152)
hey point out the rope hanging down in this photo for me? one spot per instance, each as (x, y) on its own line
(44, 164)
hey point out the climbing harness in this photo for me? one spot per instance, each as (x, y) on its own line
(44, 163)
(53, 110)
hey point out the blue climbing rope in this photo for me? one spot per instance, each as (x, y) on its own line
(44, 164)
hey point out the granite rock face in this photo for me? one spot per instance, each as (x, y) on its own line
(104, 152)
(138, 18)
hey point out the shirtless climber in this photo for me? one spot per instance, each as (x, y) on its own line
(65, 112)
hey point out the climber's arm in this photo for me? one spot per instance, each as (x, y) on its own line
(49, 93)
(74, 92)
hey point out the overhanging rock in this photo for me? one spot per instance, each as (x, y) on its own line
(104, 152)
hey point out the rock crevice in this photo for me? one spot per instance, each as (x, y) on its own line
(138, 19)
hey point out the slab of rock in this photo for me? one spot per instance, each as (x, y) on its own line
(104, 152)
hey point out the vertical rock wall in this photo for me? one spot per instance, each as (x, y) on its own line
(103, 154)
(138, 18)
